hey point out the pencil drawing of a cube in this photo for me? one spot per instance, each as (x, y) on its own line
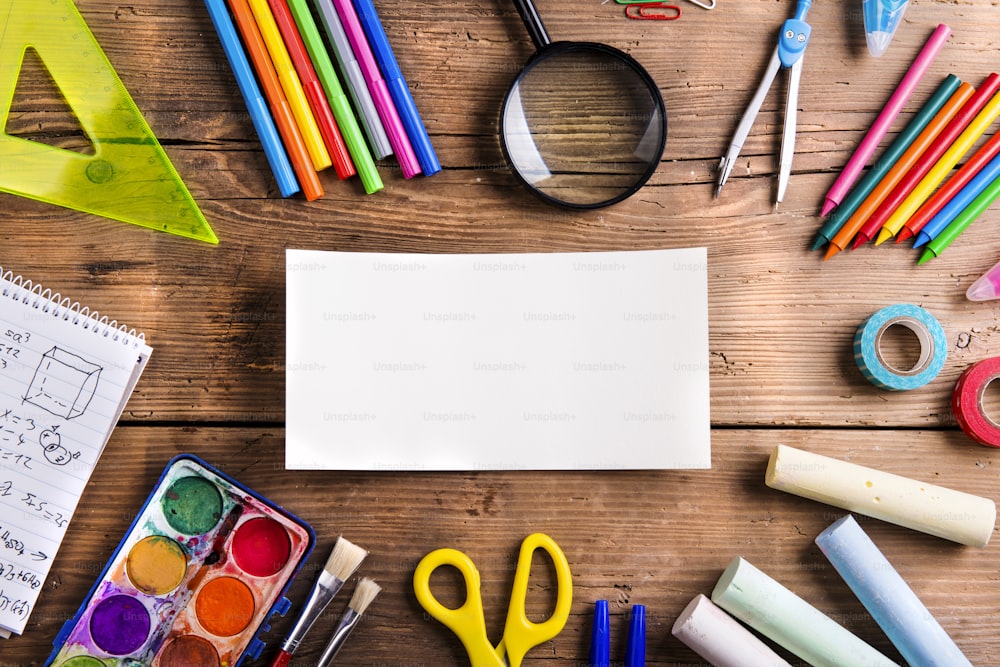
(64, 383)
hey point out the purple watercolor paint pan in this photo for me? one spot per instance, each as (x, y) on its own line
(195, 580)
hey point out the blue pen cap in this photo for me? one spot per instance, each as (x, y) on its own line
(600, 637)
(635, 651)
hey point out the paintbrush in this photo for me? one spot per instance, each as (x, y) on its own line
(343, 561)
(364, 594)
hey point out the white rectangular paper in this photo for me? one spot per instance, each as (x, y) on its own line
(64, 380)
(551, 361)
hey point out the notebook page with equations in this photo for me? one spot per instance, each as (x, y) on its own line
(65, 376)
(489, 362)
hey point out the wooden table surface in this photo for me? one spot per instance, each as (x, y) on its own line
(781, 319)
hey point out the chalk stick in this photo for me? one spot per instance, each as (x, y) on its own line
(719, 638)
(887, 597)
(776, 612)
(953, 515)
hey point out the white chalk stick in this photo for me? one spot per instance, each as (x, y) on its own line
(719, 638)
(778, 613)
(887, 597)
(953, 515)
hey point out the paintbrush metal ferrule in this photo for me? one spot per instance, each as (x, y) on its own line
(323, 592)
(347, 624)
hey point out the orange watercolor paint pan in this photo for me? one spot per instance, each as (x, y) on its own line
(195, 580)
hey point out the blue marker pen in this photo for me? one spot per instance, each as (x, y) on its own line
(600, 637)
(635, 650)
(400, 92)
(882, 17)
(274, 150)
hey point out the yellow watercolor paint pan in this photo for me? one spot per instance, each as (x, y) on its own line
(128, 177)
(196, 578)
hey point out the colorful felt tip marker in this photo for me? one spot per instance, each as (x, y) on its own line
(600, 637)
(963, 220)
(389, 115)
(283, 116)
(885, 118)
(986, 287)
(354, 79)
(291, 84)
(885, 163)
(401, 97)
(274, 150)
(339, 104)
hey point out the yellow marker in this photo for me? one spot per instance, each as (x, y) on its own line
(291, 84)
(940, 170)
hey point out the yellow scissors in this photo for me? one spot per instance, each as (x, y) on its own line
(468, 621)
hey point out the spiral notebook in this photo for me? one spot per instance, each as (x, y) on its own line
(65, 376)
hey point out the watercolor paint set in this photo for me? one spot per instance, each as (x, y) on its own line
(195, 580)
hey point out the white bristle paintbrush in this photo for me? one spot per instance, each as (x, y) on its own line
(343, 561)
(364, 594)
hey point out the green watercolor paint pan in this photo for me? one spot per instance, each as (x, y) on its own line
(128, 177)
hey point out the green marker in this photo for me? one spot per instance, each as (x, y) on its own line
(886, 162)
(961, 221)
(339, 103)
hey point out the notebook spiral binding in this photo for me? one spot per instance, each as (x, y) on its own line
(45, 300)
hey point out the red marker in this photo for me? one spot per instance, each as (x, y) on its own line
(342, 163)
(928, 159)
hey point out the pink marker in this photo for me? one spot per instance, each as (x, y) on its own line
(377, 87)
(888, 114)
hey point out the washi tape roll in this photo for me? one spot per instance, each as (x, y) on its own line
(868, 353)
(967, 402)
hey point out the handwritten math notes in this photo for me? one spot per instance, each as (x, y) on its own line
(64, 380)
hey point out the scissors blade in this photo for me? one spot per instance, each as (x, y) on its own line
(746, 122)
(788, 134)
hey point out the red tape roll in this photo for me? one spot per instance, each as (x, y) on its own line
(967, 402)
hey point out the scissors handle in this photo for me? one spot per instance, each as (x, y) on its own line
(521, 634)
(467, 621)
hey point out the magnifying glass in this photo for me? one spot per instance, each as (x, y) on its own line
(583, 125)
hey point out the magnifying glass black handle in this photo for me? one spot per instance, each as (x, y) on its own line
(533, 22)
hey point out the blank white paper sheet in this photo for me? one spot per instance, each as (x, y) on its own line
(554, 361)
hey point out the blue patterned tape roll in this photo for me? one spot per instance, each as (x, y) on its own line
(869, 357)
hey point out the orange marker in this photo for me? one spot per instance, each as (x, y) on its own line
(289, 131)
(342, 163)
(854, 224)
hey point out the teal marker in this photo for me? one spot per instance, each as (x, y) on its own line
(886, 162)
(961, 221)
(335, 95)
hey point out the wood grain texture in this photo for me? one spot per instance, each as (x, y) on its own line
(781, 320)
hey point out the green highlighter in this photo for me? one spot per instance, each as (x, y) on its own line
(886, 162)
(339, 103)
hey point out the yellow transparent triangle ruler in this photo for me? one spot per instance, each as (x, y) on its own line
(128, 177)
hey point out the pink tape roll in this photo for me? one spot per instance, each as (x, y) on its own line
(967, 402)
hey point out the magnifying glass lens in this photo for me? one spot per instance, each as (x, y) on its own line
(583, 125)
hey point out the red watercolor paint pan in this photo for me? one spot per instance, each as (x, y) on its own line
(201, 570)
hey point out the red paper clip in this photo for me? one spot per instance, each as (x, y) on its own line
(653, 11)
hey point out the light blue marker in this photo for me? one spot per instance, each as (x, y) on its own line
(274, 149)
(882, 17)
(958, 203)
(887, 597)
